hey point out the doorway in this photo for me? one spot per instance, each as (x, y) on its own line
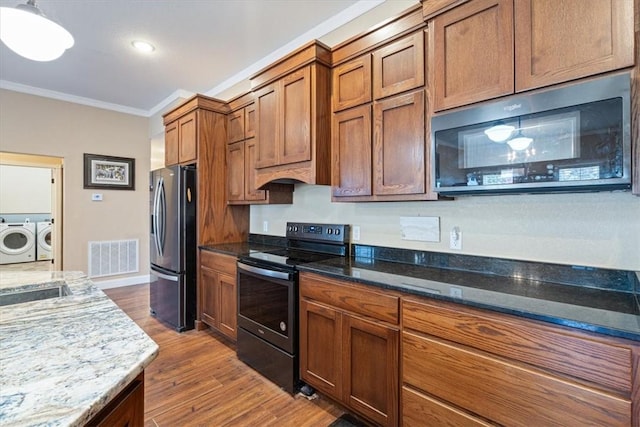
(55, 165)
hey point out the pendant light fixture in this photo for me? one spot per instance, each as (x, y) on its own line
(499, 132)
(520, 142)
(27, 31)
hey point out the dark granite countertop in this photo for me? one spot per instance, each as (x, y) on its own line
(239, 248)
(608, 312)
(533, 290)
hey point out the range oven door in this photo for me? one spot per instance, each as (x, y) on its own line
(267, 304)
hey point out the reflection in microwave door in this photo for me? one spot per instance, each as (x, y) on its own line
(555, 137)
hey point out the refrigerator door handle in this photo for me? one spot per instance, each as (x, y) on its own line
(165, 276)
(158, 217)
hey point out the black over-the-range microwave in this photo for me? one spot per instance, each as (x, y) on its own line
(571, 138)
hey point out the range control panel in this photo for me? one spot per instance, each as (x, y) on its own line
(337, 233)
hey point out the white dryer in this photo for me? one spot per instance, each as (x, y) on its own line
(17, 242)
(43, 240)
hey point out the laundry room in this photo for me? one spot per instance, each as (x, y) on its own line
(25, 218)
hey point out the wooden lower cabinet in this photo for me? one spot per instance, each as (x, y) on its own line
(125, 410)
(462, 366)
(346, 351)
(218, 292)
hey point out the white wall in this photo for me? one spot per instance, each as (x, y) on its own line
(41, 126)
(591, 229)
(24, 190)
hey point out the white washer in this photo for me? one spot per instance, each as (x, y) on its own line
(43, 241)
(17, 242)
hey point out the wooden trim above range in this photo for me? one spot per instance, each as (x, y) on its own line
(431, 8)
(311, 52)
(196, 102)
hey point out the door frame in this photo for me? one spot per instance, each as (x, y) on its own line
(56, 164)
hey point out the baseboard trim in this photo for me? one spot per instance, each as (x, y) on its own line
(125, 281)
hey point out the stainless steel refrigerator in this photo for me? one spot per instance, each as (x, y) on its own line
(173, 246)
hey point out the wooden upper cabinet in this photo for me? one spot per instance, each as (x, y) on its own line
(473, 53)
(180, 140)
(295, 115)
(352, 83)
(250, 121)
(399, 66)
(171, 143)
(236, 171)
(485, 49)
(293, 118)
(399, 154)
(351, 151)
(561, 40)
(283, 112)
(236, 126)
(251, 193)
(188, 146)
(267, 125)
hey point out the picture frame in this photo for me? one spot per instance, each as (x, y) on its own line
(109, 172)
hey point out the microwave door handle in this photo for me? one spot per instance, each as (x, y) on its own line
(264, 271)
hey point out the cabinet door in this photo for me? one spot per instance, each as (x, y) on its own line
(370, 368)
(295, 138)
(351, 151)
(560, 40)
(320, 348)
(228, 313)
(188, 138)
(399, 155)
(352, 83)
(209, 296)
(399, 66)
(235, 126)
(473, 53)
(250, 121)
(267, 126)
(171, 141)
(235, 171)
(250, 191)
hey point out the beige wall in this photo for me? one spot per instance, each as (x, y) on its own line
(16, 181)
(35, 125)
(593, 229)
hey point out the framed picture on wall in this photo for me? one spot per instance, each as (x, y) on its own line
(108, 172)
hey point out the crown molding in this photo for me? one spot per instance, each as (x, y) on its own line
(31, 90)
(316, 32)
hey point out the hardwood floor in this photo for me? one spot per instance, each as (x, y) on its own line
(196, 380)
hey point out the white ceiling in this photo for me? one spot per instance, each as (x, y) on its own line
(202, 46)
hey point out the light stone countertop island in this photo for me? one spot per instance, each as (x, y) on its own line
(63, 359)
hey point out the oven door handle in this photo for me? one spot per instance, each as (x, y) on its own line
(264, 272)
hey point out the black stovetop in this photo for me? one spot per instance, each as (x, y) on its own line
(306, 243)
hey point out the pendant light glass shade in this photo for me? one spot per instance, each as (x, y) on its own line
(29, 33)
(499, 132)
(520, 142)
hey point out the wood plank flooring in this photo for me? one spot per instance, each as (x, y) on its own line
(196, 380)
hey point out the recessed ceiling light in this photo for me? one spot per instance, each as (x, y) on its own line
(143, 46)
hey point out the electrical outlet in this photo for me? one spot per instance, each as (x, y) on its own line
(455, 238)
(356, 232)
(265, 226)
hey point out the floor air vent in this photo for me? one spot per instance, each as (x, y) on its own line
(109, 258)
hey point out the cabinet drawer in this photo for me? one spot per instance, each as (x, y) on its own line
(218, 262)
(505, 392)
(421, 410)
(585, 357)
(351, 298)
